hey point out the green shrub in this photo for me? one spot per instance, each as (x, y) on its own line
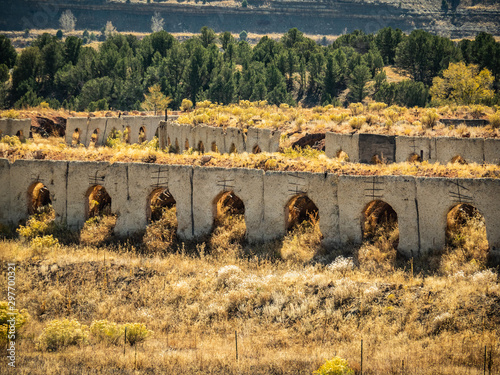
(59, 334)
(21, 319)
(335, 366)
(108, 332)
(494, 119)
(136, 332)
(186, 105)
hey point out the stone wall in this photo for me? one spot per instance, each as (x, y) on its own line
(21, 128)
(420, 203)
(224, 140)
(81, 129)
(363, 147)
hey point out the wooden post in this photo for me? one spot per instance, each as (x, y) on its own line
(236, 343)
(484, 368)
(361, 357)
(124, 340)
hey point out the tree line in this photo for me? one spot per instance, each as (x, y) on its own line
(66, 72)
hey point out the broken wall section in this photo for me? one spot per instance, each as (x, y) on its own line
(180, 137)
(15, 127)
(364, 147)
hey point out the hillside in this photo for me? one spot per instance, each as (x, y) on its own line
(313, 17)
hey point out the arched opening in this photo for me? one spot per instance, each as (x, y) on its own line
(214, 147)
(186, 145)
(162, 216)
(380, 225)
(168, 142)
(75, 138)
(303, 240)
(20, 135)
(466, 230)
(232, 149)
(38, 199)
(94, 138)
(159, 200)
(142, 134)
(300, 209)
(229, 219)
(98, 202)
(201, 147)
(126, 135)
(458, 159)
(113, 137)
(342, 155)
(256, 149)
(414, 158)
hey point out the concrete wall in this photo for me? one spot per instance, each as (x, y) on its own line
(9, 126)
(420, 203)
(349, 143)
(105, 125)
(361, 147)
(224, 139)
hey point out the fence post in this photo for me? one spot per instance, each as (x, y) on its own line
(124, 340)
(484, 367)
(361, 357)
(236, 343)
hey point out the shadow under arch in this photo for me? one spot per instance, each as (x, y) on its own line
(201, 147)
(214, 147)
(142, 134)
(94, 138)
(466, 227)
(256, 149)
(298, 209)
(228, 210)
(38, 198)
(75, 137)
(159, 200)
(379, 220)
(97, 202)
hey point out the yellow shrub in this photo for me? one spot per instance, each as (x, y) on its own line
(335, 366)
(186, 105)
(59, 334)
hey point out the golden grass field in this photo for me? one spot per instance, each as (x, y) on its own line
(292, 303)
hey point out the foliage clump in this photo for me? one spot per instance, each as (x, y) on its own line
(335, 366)
(59, 334)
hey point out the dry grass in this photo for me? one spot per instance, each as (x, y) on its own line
(291, 311)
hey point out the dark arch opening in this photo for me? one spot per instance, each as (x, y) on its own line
(126, 135)
(466, 229)
(229, 216)
(186, 145)
(142, 134)
(168, 142)
(158, 201)
(20, 135)
(95, 137)
(300, 209)
(232, 149)
(113, 136)
(201, 147)
(458, 159)
(75, 138)
(162, 217)
(98, 202)
(256, 149)
(214, 147)
(380, 224)
(176, 147)
(38, 199)
(414, 158)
